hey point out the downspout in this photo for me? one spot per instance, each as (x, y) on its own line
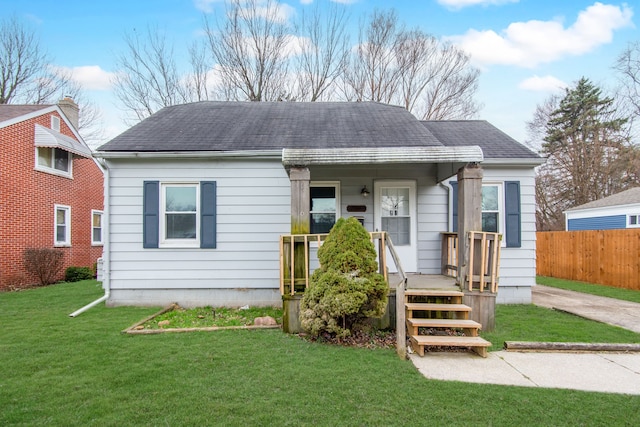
(105, 248)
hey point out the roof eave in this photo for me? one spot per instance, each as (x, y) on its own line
(380, 155)
(262, 154)
(522, 162)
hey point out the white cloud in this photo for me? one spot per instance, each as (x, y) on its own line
(527, 44)
(205, 5)
(542, 84)
(459, 4)
(90, 77)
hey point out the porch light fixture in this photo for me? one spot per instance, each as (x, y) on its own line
(365, 192)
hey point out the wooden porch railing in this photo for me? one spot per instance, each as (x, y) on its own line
(484, 260)
(293, 245)
(290, 284)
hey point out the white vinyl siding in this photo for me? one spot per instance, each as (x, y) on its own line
(253, 210)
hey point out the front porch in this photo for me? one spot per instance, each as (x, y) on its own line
(423, 302)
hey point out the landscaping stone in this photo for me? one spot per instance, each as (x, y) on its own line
(265, 321)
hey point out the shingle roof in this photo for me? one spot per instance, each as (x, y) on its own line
(495, 144)
(240, 126)
(11, 111)
(627, 197)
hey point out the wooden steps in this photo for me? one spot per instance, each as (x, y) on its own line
(441, 314)
(477, 344)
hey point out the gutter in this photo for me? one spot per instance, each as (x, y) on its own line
(105, 247)
(265, 154)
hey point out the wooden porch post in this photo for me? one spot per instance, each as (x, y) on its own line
(300, 221)
(483, 304)
(469, 213)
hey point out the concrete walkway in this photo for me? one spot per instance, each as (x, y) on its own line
(602, 372)
(606, 310)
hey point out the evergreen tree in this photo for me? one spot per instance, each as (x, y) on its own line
(587, 149)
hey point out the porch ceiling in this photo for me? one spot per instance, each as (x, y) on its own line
(448, 159)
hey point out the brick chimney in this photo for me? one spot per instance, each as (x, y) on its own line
(70, 110)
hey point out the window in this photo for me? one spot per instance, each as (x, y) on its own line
(396, 216)
(55, 123)
(54, 160)
(325, 200)
(96, 227)
(491, 208)
(634, 220)
(501, 210)
(179, 214)
(179, 218)
(62, 226)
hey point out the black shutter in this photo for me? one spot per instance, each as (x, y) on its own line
(454, 206)
(513, 232)
(150, 208)
(208, 214)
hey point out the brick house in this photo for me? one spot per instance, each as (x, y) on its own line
(51, 190)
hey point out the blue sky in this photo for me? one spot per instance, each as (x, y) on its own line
(526, 49)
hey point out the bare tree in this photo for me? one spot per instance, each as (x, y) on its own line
(251, 49)
(25, 72)
(433, 80)
(324, 52)
(372, 74)
(148, 77)
(628, 66)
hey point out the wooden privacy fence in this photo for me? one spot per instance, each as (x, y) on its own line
(607, 257)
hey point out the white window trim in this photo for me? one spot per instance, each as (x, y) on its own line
(336, 185)
(178, 243)
(54, 171)
(101, 242)
(637, 224)
(55, 123)
(501, 208)
(67, 241)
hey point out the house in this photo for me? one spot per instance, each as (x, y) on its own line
(51, 190)
(199, 194)
(621, 210)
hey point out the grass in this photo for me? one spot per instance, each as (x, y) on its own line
(533, 323)
(590, 288)
(206, 316)
(64, 371)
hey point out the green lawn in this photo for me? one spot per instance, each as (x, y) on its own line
(64, 371)
(590, 288)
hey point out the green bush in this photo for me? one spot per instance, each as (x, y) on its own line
(346, 289)
(75, 274)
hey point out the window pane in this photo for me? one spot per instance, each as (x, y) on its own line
(180, 199)
(97, 235)
(97, 220)
(395, 201)
(490, 198)
(323, 199)
(490, 222)
(44, 156)
(398, 228)
(321, 223)
(181, 226)
(61, 233)
(61, 160)
(633, 220)
(60, 216)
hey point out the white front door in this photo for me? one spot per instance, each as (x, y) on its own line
(396, 213)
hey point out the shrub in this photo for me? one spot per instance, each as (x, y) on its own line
(75, 274)
(44, 263)
(346, 289)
